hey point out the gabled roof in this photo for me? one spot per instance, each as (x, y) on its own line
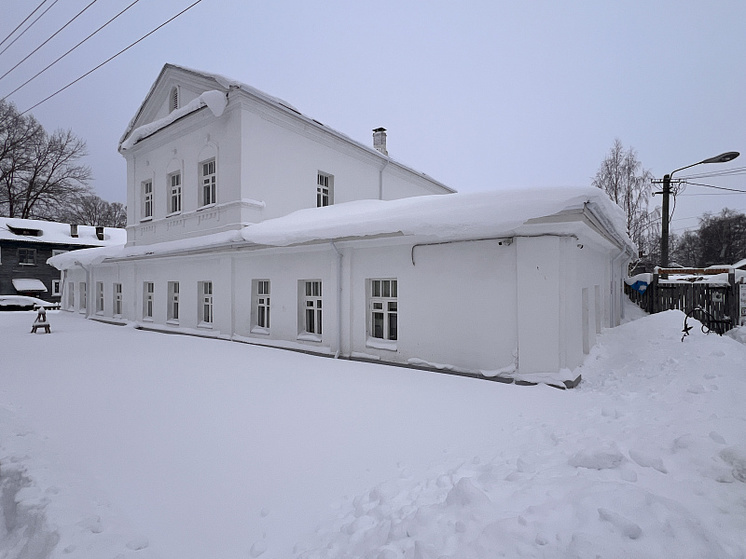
(138, 129)
(38, 231)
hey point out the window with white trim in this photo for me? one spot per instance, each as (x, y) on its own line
(27, 257)
(208, 182)
(83, 299)
(174, 199)
(147, 199)
(205, 303)
(324, 189)
(310, 306)
(99, 297)
(148, 292)
(117, 299)
(173, 301)
(383, 310)
(56, 288)
(260, 290)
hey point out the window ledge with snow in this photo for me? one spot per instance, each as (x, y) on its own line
(172, 322)
(206, 207)
(205, 325)
(308, 337)
(378, 343)
(144, 219)
(260, 330)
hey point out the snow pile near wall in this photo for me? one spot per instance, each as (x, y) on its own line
(437, 217)
(215, 100)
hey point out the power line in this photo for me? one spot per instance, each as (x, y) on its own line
(68, 52)
(29, 26)
(721, 173)
(49, 39)
(24, 21)
(717, 187)
(71, 50)
(89, 72)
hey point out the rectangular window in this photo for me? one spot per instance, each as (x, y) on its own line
(260, 311)
(99, 297)
(56, 288)
(27, 257)
(173, 301)
(208, 179)
(311, 307)
(383, 323)
(83, 296)
(147, 199)
(324, 190)
(174, 182)
(117, 299)
(205, 303)
(148, 290)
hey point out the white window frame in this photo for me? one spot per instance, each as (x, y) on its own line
(173, 302)
(117, 306)
(383, 313)
(29, 256)
(99, 297)
(205, 304)
(148, 299)
(147, 199)
(174, 193)
(260, 306)
(208, 183)
(324, 189)
(56, 288)
(310, 310)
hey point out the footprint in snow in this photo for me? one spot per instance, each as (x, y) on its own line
(628, 528)
(648, 461)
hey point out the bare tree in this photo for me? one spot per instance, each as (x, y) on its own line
(89, 209)
(39, 173)
(627, 183)
(722, 237)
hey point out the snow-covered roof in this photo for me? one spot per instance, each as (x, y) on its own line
(216, 101)
(740, 264)
(37, 231)
(434, 218)
(29, 284)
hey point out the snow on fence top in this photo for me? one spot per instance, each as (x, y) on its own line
(435, 218)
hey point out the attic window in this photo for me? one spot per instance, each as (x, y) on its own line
(25, 231)
(173, 99)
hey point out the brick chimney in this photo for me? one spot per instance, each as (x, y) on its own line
(100, 232)
(379, 140)
(73, 230)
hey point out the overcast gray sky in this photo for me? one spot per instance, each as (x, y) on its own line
(480, 95)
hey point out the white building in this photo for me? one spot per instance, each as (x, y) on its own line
(253, 222)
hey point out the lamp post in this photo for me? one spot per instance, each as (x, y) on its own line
(722, 158)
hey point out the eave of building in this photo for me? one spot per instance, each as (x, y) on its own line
(280, 112)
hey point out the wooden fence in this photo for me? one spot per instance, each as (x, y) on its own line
(719, 300)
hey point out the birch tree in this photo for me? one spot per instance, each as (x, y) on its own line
(622, 176)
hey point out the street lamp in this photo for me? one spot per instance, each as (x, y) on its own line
(722, 158)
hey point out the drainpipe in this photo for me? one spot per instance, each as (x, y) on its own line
(617, 301)
(380, 179)
(339, 300)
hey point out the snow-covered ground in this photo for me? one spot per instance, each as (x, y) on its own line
(116, 442)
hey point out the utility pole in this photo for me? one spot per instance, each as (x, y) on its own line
(664, 223)
(722, 158)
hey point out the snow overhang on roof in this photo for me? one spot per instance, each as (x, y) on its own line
(437, 218)
(29, 285)
(38, 231)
